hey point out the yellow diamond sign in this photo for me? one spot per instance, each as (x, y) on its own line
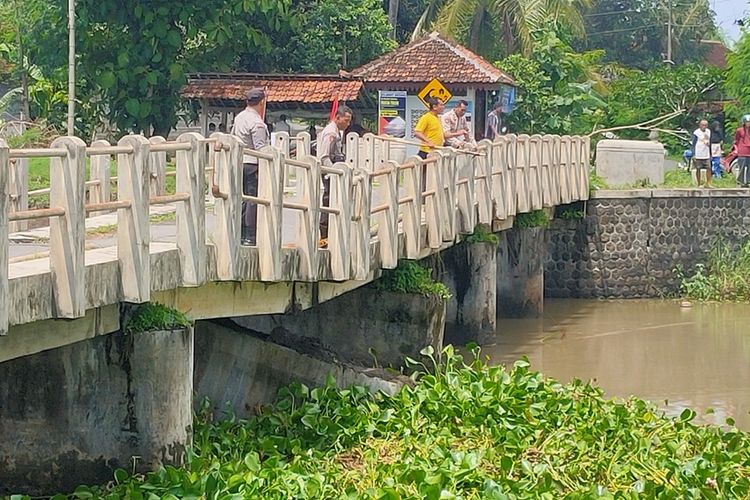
(436, 90)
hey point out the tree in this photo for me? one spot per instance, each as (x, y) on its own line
(559, 90)
(495, 28)
(335, 34)
(738, 76)
(634, 32)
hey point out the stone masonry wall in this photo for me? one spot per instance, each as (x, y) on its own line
(630, 242)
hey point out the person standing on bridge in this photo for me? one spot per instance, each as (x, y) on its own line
(331, 150)
(702, 152)
(429, 130)
(252, 131)
(456, 128)
(493, 122)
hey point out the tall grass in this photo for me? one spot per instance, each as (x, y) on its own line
(724, 277)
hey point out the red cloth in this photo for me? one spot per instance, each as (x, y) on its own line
(742, 141)
(334, 108)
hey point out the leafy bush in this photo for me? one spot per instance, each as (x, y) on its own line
(724, 277)
(572, 214)
(537, 218)
(151, 316)
(464, 431)
(482, 234)
(410, 277)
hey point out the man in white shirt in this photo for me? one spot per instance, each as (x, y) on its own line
(702, 152)
(250, 128)
(456, 128)
(330, 150)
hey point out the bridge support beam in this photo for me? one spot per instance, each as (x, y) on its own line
(470, 273)
(366, 327)
(520, 272)
(71, 415)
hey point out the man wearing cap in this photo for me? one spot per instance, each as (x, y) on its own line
(252, 131)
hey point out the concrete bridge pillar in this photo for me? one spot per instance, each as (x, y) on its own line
(520, 272)
(470, 273)
(71, 415)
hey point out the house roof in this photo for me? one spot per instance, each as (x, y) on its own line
(281, 88)
(717, 53)
(433, 56)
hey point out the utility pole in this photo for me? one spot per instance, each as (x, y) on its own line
(71, 66)
(669, 32)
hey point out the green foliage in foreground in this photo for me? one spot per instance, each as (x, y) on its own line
(410, 277)
(151, 317)
(725, 277)
(466, 432)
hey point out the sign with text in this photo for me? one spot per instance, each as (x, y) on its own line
(392, 113)
(434, 89)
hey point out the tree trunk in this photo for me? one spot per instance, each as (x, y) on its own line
(476, 28)
(393, 16)
(26, 113)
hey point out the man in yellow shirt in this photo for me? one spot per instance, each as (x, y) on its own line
(429, 129)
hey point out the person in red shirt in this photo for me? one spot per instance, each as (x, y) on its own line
(742, 145)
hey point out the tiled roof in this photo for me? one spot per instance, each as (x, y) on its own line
(716, 55)
(432, 57)
(307, 89)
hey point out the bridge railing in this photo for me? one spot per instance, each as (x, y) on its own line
(380, 207)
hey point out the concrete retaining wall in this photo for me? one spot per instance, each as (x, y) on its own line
(239, 371)
(631, 241)
(520, 272)
(72, 415)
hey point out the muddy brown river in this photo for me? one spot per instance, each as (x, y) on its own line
(675, 357)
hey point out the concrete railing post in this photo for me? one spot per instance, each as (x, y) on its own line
(447, 180)
(4, 208)
(483, 182)
(191, 214)
(282, 143)
(100, 172)
(360, 225)
(158, 168)
(520, 162)
(388, 218)
(228, 205)
(546, 184)
(18, 186)
(412, 209)
(270, 188)
(534, 170)
(68, 232)
(466, 193)
(303, 145)
(308, 189)
(565, 173)
(133, 236)
(432, 196)
(338, 223)
(352, 151)
(367, 155)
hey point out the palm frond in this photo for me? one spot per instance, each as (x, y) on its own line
(7, 99)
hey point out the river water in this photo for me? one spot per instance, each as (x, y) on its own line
(675, 357)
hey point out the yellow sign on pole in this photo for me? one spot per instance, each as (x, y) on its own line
(436, 90)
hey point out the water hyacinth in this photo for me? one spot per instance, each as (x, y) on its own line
(463, 431)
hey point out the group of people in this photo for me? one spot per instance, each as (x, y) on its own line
(437, 129)
(253, 132)
(707, 151)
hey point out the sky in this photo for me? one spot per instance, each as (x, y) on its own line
(727, 11)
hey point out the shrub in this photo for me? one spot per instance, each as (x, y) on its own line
(482, 234)
(151, 316)
(724, 277)
(410, 277)
(537, 218)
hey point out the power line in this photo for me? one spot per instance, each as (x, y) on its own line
(623, 30)
(611, 13)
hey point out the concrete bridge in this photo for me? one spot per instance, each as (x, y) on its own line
(376, 218)
(80, 397)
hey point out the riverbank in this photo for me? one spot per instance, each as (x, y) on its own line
(463, 431)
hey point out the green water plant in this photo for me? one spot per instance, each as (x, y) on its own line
(465, 430)
(537, 218)
(724, 277)
(152, 316)
(482, 234)
(411, 277)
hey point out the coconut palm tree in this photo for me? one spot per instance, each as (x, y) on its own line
(494, 27)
